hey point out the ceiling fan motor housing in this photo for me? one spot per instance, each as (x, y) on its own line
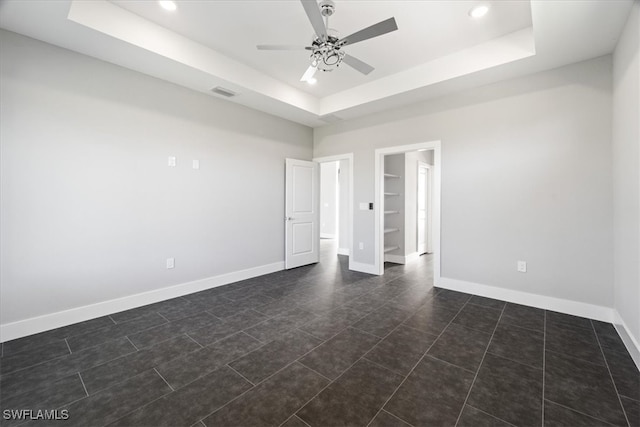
(327, 8)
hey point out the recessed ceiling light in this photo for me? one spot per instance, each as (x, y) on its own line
(168, 5)
(312, 80)
(479, 11)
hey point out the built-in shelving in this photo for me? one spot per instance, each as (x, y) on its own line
(390, 175)
(390, 248)
(391, 230)
(390, 212)
(391, 194)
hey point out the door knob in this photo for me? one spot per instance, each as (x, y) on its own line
(289, 218)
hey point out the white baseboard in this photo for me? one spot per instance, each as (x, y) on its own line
(363, 268)
(46, 322)
(343, 251)
(631, 342)
(396, 259)
(327, 236)
(401, 259)
(591, 311)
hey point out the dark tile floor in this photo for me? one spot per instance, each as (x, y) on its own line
(323, 346)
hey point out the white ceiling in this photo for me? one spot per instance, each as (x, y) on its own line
(437, 49)
(427, 30)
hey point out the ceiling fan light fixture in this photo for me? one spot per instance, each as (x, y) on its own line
(479, 11)
(168, 5)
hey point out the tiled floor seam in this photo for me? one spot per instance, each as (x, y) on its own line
(491, 415)
(480, 367)
(347, 369)
(243, 377)
(163, 379)
(605, 423)
(83, 386)
(265, 379)
(606, 363)
(414, 367)
(187, 335)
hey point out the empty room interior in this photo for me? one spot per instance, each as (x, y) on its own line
(320, 213)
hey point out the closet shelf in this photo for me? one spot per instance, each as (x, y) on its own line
(391, 194)
(390, 248)
(390, 230)
(390, 212)
(390, 175)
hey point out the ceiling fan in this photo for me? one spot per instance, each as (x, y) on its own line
(326, 48)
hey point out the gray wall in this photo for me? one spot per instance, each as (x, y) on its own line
(90, 210)
(626, 173)
(526, 175)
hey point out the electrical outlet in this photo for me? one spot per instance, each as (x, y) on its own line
(522, 266)
(361, 245)
(171, 262)
(171, 162)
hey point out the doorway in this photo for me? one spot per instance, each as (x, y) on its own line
(404, 239)
(336, 205)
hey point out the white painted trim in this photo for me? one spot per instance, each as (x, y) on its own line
(401, 259)
(436, 146)
(576, 308)
(46, 322)
(327, 236)
(363, 268)
(631, 342)
(349, 158)
(343, 251)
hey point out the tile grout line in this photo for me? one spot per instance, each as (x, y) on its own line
(480, 365)
(83, 386)
(165, 381)
(294, 415)
(579, 412)
(347, 369)
(201, 346)
(391, 415)
(492, 416)
(449, 363)
(134, 346)
(246, 379)
(417, 363)
(606, 363)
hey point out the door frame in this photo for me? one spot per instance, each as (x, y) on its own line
(349, 158)
(379, 197)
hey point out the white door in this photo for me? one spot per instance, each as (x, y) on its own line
(302, 217)
(423, 208)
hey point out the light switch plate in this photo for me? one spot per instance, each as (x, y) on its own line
(196, 164)
(171, 162)
(171, 262)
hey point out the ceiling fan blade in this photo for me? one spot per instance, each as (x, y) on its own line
(309, 73)
(282, 47)
(375, 30)
(315, 17)
(355, 63)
